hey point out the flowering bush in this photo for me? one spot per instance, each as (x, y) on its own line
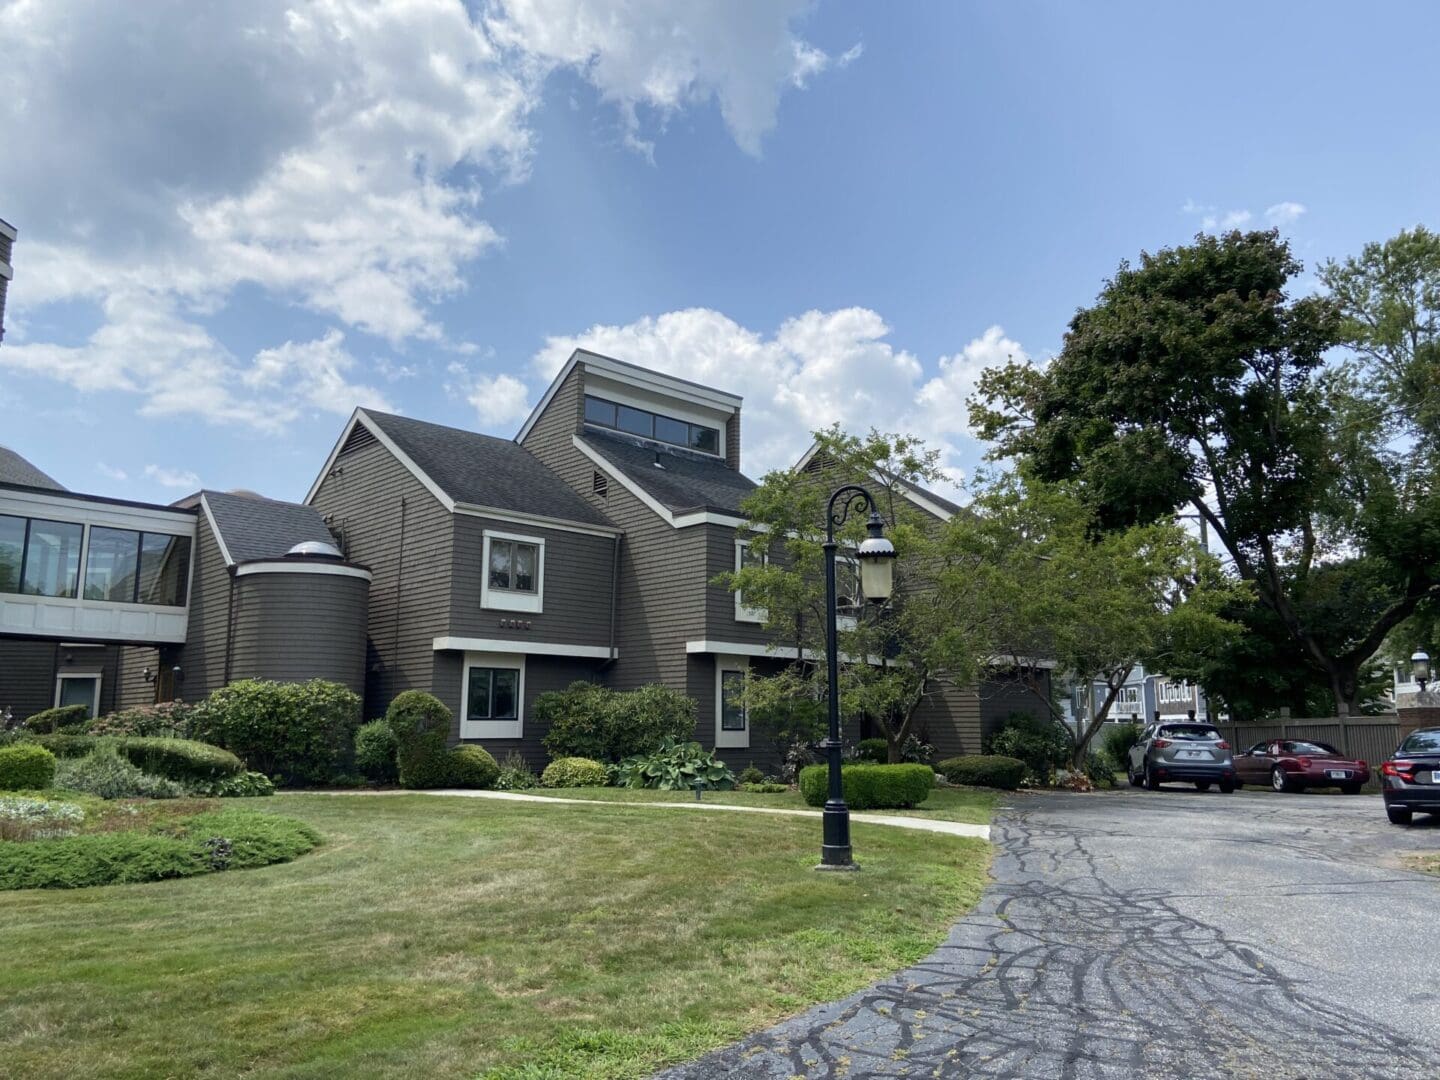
(37, 819)
(169, 719)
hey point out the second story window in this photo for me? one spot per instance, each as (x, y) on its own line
(514, 572)
(648, 425)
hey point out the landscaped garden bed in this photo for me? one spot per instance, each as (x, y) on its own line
(433, 937)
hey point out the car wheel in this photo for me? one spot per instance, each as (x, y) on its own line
(1202, 785)
(1227, 786)
(1279, 781)
(1350, 789)
(1152, 781)
(1398, 815)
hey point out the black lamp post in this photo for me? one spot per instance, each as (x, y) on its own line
(877, 579)
(1420, 667)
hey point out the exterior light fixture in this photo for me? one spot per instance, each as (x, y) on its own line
(1420, 667)
(877, 562)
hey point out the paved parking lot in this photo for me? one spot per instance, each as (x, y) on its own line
(1157, 934)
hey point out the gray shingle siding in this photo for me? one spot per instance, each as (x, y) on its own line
(542, 674)
(30, 666)
(202, 659)
(371, 503)
(292, 627)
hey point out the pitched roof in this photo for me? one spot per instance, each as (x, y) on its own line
(482, 470)
(14, 469)
(252, 527)
(682, 480)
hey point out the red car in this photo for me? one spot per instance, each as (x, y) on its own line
(1293, 765)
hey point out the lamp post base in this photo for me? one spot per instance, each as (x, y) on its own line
(846, 867)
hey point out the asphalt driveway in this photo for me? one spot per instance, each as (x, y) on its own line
(1156, 934)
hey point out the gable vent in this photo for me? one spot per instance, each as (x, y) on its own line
(820, 463)
(359, 439)
(600, 484)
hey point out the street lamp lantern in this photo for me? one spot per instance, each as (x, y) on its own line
(876, 557)
(877, 562)
(1420, 667)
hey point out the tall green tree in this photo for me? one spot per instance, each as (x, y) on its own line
(1196, 381)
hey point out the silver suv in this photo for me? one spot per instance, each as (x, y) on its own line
(1182, 751)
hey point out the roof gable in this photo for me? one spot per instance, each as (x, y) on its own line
(249, 527)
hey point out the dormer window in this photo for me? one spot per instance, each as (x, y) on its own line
(649, 425)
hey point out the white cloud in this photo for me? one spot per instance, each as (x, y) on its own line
(1284, 213)
(173, 478)
(499, 401)
(111, 471)
(819, 368)
(328, 154)
(314, 372)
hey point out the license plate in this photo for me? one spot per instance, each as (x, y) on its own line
(1338, 774)
(1192, 755)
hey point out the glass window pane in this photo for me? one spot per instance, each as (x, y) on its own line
(636, 421)
(110, 565)
(526, 556)
(75, 691)
(507, 693)
(599, 412)
(672, 431)
(479, 693)
(52, 558)
(12, 546)
(732, 712)
(704, 439)
(164, 569)
(500, 564)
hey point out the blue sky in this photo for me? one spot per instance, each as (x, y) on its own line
(249, 219)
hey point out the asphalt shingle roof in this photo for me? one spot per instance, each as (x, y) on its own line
(14, 469)
(257, 528)
(485, 471)
(685, 481)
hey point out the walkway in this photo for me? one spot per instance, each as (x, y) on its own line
(950, 828)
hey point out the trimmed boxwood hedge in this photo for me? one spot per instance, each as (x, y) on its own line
(220, 840)
(421, 723)
(60, 718)
(24, 766)
(984, 770)
(472, 767)
(871, 787)
(177, 759)
(574, 772)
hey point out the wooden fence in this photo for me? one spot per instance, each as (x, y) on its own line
(1371, 738)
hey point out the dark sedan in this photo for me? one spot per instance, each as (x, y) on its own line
(1410, 781)
(1295, 764)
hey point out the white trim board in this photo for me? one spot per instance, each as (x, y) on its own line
(903, 488)
(527, 648)
(296, 566)
(730, 740)
(214, 531)
(494, 599)
(98, 676)
(492, 729)
(62, 506)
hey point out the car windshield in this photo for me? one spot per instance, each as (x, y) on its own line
(1421, 742)
(1307, 748)
(1190, 733)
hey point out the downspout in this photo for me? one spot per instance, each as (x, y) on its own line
(399, 580)
(229, 629)
(614, 600)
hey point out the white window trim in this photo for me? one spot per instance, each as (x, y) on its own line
(505, 599)
(744, 613)
(99, 678)
(491, 729)
(729, 740)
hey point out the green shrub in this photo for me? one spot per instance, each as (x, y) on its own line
(106, 774)
(674, 767)
(245, 785)
(763, 788)
(26, 766)
(230, 839)
(472, 767)
(751, 775)
(421, 724)
(64, 718)
(875, 751)
(1118, 739)
(574, 772)
(375, 748)
(585, 720)
(169, 719)
(516, 774)
(303, 731)
(1043, 744)
(1100, 768)
(184, 760)
(984, 770)
(871, 787)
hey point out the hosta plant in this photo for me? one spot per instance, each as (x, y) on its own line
(675, 766)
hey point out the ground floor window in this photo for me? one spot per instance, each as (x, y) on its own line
(494, 696)
(78, 690)
(732, 725)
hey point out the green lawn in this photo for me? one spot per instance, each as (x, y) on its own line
(465, 937)
(971, 805)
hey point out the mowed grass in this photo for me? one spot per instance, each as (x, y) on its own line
(972, 805)
(465, 937)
